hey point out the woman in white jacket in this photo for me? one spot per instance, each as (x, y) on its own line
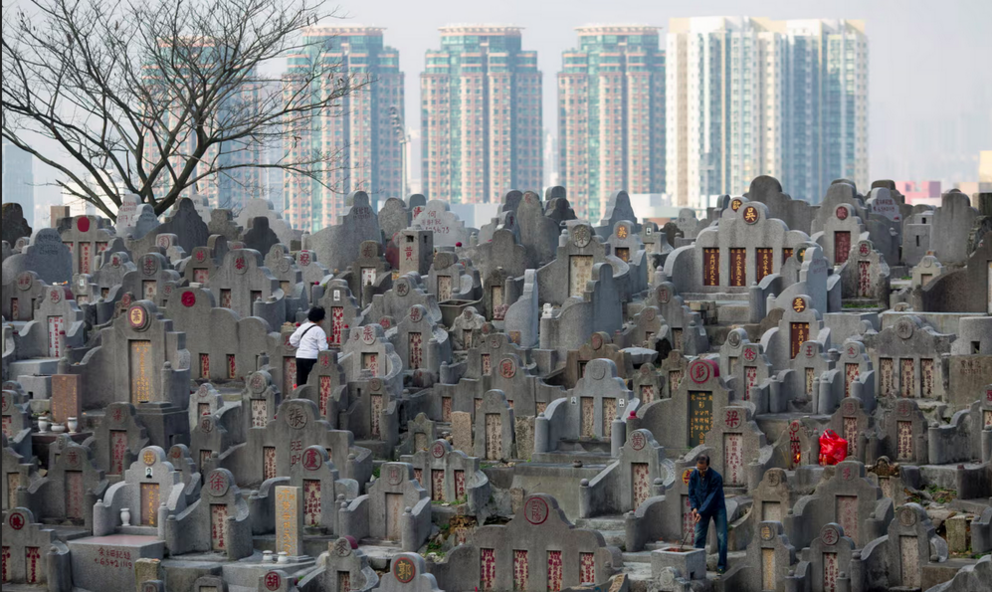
(309, 340)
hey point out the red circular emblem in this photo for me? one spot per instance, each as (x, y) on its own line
(864, 250)
(137, 317)
(507, 369)
(751, 214)
(829, 536)
(200, 256)
(736, 204)
(16, 520)
(272, 581)
(188, 299)
(312, 459)
(685, 476)
(438, 450)
(699, 371)
(404, 570)
(83, 224)
(415, 314)
(536, 510)
(55, 296)
(218, 483)
(842, 213)
(637, 441)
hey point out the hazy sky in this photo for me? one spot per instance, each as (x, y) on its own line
(930, 85)
(930, 82)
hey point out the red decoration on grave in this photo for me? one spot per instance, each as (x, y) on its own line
(16, 520)
(83, 224)
(312, 459)
(842, 213)
(699, 371)
(536, 511)
(188, 299)
(733, 418)
(404, 570)
(272, 581)
(637, 441)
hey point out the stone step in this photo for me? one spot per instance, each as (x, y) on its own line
(639, 575)
(638, 557)
(602, 523)
(617, 538)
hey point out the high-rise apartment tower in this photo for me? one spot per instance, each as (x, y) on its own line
(480, 99)
(359, 131)
(611, 115)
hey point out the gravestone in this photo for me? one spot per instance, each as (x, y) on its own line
(905, 433)
(14, 224)
(681, 422)
(333, 244)
(448, 229)
(22, 296)
(218, 521)
(289, 521)
(451, 476)
(45, 255)
(72, 485)
(909, 362)
(85, 236)
(394, 216)
(118, 439)
(243, 284)
(151, 487)
(538, 550)
(259, 237)
(829, 556)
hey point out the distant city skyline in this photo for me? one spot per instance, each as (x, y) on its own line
(930, 105)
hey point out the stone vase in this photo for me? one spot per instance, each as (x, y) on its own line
(73, 424)
(125, 517)
(58, 428)
(43, 424)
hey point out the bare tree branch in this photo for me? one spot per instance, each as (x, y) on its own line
(163, 97)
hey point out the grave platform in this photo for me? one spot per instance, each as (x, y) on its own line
(244, 574)
(68, 532)
(379, 553)
(313, 546)
(34, 367)
(107, 563)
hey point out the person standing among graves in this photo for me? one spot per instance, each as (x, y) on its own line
(309, 340)
(706, 499)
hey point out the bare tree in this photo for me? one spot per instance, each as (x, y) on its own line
(166, 98)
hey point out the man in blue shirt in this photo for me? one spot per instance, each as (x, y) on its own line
(706, 499)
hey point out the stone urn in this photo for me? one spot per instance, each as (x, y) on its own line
(58, 428)
(43, 424)
(73, 424)
(125, 517)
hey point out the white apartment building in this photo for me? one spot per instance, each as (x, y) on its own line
(752, 96)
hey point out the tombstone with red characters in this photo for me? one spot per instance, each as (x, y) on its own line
(218, 522)
(322, 489)
(681, 422)
(71, 487)
(740, 451)
(21, 296)
(85, 236)
(32, 554)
